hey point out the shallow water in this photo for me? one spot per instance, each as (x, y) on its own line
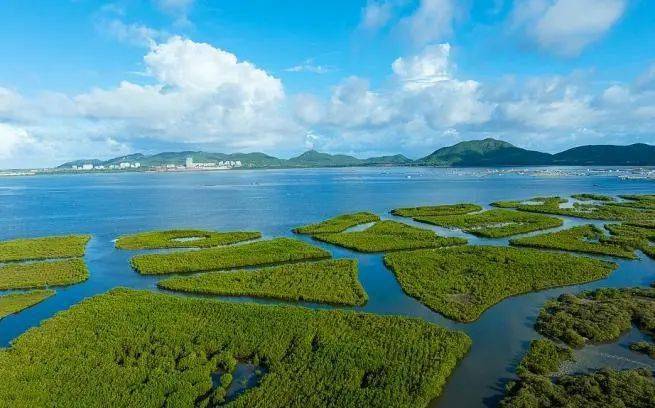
(274, 202)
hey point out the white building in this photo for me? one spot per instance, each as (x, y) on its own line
(189, 162)
(87, 166)
(124, 165)
(136, 165)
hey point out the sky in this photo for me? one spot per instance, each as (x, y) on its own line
(91, 79)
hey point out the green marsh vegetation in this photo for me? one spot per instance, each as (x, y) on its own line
(462, 282)
(586, 239)
(183, 239)
(544, 357)
(644, 347)
(494, 223)
(15, 302)
(437, 210)
(338, 224)
(389, 236)
(43, 274)
(137, 348)
(634, 235)
(329, 281)
(646, 201)
(601, 389)
(274, 251)
(68, 246)
(593, 197)
(553, 205)
(598, 316)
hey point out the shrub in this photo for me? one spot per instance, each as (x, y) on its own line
(183, 239)
(43, 274)
(15, 302)
(338, 224)
(544, 357)
(68, 246)
(437, 210)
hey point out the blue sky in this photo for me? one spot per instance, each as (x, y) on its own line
(87, 78)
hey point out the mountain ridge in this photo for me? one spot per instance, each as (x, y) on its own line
(473, 153)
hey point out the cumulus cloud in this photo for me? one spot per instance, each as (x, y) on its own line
(566, 27)
(376, 14)
(431, 21)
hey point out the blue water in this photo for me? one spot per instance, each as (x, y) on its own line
(273, 202)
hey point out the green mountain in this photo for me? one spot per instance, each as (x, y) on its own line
(312, 158)
(487, 152)
(639, 154)
(395, 160)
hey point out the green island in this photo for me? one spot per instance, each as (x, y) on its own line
(606, 211)
(437, 210)
(601, 389)
(269, 252)
(43, 274)
(328, 281)
(337, 224)
(389, 236)
(598, 316)
(544, 357)
(592, 197)
(462, 282)
(15, 302)
(645, 201)
(634, 235)
(585, 238)
(183, 239)
(138, 348)
(26, 249)
(495, 223)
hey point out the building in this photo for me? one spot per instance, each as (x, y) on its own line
(136, 165)
(189, 162)
(87, 166)
(124, 165)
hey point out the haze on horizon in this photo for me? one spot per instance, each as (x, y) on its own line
(93, 79)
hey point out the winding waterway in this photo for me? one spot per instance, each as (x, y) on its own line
(275, 201)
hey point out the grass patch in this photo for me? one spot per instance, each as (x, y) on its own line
(463, 282)
(15, 302)
(329, 281)
(43, 274)
(137, 348)
(494, 223)
(605, 388)
(597, 317)
(592, 197)
(543, 358)
(183, 239)
(586, 239)
(338, 224)
(69, 246)
(389, 236)
(552, 205)
(274, 251)
(437, 210)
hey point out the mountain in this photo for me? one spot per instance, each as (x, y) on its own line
(312, 158)
(487, 152)
(639, 154)
(395, 160)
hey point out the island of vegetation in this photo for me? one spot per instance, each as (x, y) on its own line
(338, 224)
(592, 197)
(329, 281)
(598, 316)
(137, 348)
(494, 223)
(183, 239)
(43, 274)
(274, 251)
(634, 235)
(437, 210)
(462, 282)
(15, 302)
(645, 201)
(389, 236)
(604, 211)
(544, 357)
(69, 246)
(586, 239)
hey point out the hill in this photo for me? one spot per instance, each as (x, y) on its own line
(487, 152)
(639, 154)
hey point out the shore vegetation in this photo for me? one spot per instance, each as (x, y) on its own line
(26, 249)
(329, 281)
(337, 224)
(389, 236)
(269, 252)
(462, 282)
(15, 302)
(437, 210)
(43, 274)
(141, 349)
(183, 239)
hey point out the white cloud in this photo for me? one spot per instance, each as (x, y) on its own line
(176, 8)
(136, 34)
(425, 69)
(13, 140)
(376, 14)
(432, 21)
(566, 27)
(309, 66)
